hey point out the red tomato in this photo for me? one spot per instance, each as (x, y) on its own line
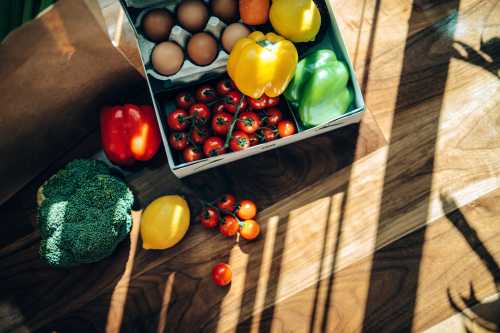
(258, 104)
(239, 141)
(213, 146)
(184, 100)
(192, 153)
(209, 217)
(221, 123)
(268, 134)
(249, 229)
(254, 140)
(205, 93)
(272, 101)
(246, 210)
(177, 121)
(227, 202)
(229, 226)
(272, 117)
(218, 107)
(232, 100)
(286, 128)
(199, 134)
(222, 274)
(248, 122)
(200, 112)
(178, 140)
(224, 86)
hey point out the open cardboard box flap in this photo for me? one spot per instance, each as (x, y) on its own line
(57, 71)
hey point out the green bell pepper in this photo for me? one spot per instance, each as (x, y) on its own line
(318, 90)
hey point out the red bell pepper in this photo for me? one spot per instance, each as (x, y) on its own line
(129, 133)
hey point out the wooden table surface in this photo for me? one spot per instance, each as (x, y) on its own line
(389, 226)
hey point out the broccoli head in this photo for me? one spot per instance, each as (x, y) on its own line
(84, 212)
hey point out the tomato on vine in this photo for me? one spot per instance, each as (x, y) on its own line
(192, 153)
(249, 229)
(258, 103)
(218, 107)
(273, 101)
(184, 100)
(239, 141)
(248, 122)
(246, 209)
(268, 134)
(178, 120)
(200, 113)
(234, 98)
(224, 86)
(178, 140)
(205, 93)
(199, 134)
(227, 203)
(229, 226)
(221, 123)
(254, 140)
(213, 146)
(286, 128)
(272, 116)
(209, 217)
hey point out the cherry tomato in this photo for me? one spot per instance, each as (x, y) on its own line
(200, 112)
(246, 210)
(239, 141)
(224, 86)
(272, 101)
(249, 229)
(221, 123)
(248, 122)
(177, 121)
(184, 100)
(213, 146)
(258, 104)
(199, 134)
(192, 153)
(209, 217)
(286, 128)
(218, 107)
(229, 226)
(268, 134)
(254, 140)
(222, 274)
(227, 202)
(178, 140)
(205, 93)
(272, 117)
(232, 100)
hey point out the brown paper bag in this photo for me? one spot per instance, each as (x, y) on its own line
(56, 72)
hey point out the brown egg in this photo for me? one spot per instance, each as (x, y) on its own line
(157, 24)
(232, 34)
(167, 58)
(192, 15)
(226, 10)
(202, 48)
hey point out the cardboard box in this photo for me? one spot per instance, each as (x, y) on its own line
(330, 38)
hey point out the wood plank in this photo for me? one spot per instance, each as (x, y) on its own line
(448, 266)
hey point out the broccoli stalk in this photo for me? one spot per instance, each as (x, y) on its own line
(84, 212)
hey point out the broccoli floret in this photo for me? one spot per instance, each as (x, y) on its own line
(84, 214)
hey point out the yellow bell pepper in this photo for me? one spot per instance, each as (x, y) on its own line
(297, 20)
(261, 64)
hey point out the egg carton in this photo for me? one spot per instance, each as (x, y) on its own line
(189, 71)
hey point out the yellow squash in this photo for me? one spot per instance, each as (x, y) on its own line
(261, 64)
(297, 20)
(164, 222)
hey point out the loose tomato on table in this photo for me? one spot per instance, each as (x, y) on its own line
(192, 153)
(205, 93)
(249, 229)
(213, 146)
(222, 274)
(227, 203)
(178, 140)
(268, 134)
(248, 122)
(246, 209)
(218, 107)
(272, 116)
(200, 113)
(199, 134)
(178, 120)
(209, 217)
(239, 141)
(221, 123)
(233, 99)
(258, 103)
(286, 128)
(129, 133)
(229, 226)
(224, 86)
(184, 100)
(272, 101)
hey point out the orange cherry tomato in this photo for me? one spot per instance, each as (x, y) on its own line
(229, 226)
(247, 210)
(222, 274)
(249, 229)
